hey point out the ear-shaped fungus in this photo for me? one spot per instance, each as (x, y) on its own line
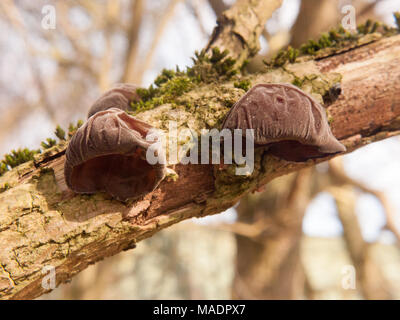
(108, 153)
(118, 97)
(287, 120)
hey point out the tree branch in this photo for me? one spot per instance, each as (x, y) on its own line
(41, 224)
(239, 28)
(133, 41)
(165, 19)
(369, 275)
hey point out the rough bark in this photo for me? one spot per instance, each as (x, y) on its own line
(42, 224)
(240, 26)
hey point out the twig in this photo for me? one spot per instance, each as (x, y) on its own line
(133, 44)
(165, 19)
(14, 17)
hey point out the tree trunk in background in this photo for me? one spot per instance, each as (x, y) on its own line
(268, 264)
(314, 16)
(218, 6)
(370, 280)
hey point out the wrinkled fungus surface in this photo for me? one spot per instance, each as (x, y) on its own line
(287, 120)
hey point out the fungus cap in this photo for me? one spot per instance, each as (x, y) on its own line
(108, 153)
(118, 97)
(287, 120)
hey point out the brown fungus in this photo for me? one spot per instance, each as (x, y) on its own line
(118, 97)
(108, 153)
(286, 120)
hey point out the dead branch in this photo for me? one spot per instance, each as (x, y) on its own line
(240, 27)
(40, 225)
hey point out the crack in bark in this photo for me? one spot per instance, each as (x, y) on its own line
(9, 275)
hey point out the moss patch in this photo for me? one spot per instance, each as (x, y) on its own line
(170, 84)
(20, 156)
(243, 84)
(336, 40)
(397, 19)
(15, 158)
(283, 56)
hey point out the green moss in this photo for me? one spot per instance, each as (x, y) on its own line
(208, 68)
(229, 103)
(176, 87)
(167, 92)
(46, 170)
(229, 185)
(170, 84)
(146, 94)
(397, 20)
(5, 187)
(339, 38)
(298, 82)
(60, 133)
(20, 156)
(164, 77)
(221, 63)
(368, 27)
(48, 143)
(243, 84)
(15, 158)
(282, 57)
(3, 168)
(335, 39)
(73, 128)
(244, 65)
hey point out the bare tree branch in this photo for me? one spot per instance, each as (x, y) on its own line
(314, 16)
(271, 266)
(16, 20)
(369, 275)
(337, 171)
(133, 44)
(240, 27)
(218, 7)
(165, 19)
